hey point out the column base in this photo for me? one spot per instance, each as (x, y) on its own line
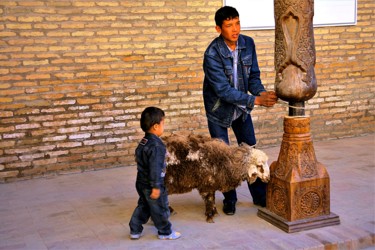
(298, 225)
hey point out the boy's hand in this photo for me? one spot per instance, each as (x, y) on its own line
(155, 193)
(267, 99)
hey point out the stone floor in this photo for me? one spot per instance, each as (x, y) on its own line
(92, 210)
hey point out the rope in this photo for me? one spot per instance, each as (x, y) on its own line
(291, 106)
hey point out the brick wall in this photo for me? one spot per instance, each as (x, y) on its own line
(75, 76)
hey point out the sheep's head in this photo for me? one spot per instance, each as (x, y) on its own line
(258, 166)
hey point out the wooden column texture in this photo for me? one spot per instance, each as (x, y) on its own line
(298, 194)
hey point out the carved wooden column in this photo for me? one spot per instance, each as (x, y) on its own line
(298, 194)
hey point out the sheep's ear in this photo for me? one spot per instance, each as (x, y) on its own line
(252, 174)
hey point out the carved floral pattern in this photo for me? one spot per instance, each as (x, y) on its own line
(279, 200)
(312, 201)
(308, 161)
(294, 50)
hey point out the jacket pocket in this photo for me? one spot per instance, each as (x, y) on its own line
(247, 62)
(228, 70)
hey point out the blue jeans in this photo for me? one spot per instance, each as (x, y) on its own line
(244, 132)
(157, 209)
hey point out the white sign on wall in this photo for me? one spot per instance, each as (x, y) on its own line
(258, 14)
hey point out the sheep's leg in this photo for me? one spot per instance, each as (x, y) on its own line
(172, 211)
(209, 201)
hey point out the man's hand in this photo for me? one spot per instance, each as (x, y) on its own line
(266, 99)
(155, 193)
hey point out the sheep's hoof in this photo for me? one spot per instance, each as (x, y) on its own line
(215, 211)
(210, 220)
(172, 211)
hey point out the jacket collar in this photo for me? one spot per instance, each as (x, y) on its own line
(224, 51)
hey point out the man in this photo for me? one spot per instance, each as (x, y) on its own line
(231, 72)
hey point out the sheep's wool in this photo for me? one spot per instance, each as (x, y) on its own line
(209, 165)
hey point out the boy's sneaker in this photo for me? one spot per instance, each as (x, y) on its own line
(135, 236)
(173, 236)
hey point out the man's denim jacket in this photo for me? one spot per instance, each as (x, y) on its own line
(220, 96)
(150, 157)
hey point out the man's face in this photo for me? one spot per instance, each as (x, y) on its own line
(230, 30)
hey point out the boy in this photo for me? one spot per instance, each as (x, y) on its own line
(153, 196)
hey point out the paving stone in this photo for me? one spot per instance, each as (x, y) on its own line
(91, 210)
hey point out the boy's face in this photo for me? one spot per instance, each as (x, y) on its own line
(230, 30)
(159, 128)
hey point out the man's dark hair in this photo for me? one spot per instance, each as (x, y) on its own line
(225, 13)
(151, 116)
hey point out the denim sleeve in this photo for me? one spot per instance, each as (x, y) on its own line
(156, 164)
(214, 70)
(255, 84)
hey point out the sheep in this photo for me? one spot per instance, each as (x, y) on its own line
(209, 165)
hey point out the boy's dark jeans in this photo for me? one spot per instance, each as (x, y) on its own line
(157, 209)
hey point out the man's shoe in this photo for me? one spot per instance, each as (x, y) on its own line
(261, 203)
(229, 208)
(173, 236)
(135, 236)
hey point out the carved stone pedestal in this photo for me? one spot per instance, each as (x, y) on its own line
(298, 194)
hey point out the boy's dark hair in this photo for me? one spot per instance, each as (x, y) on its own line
(151, 116)
(225, 13)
